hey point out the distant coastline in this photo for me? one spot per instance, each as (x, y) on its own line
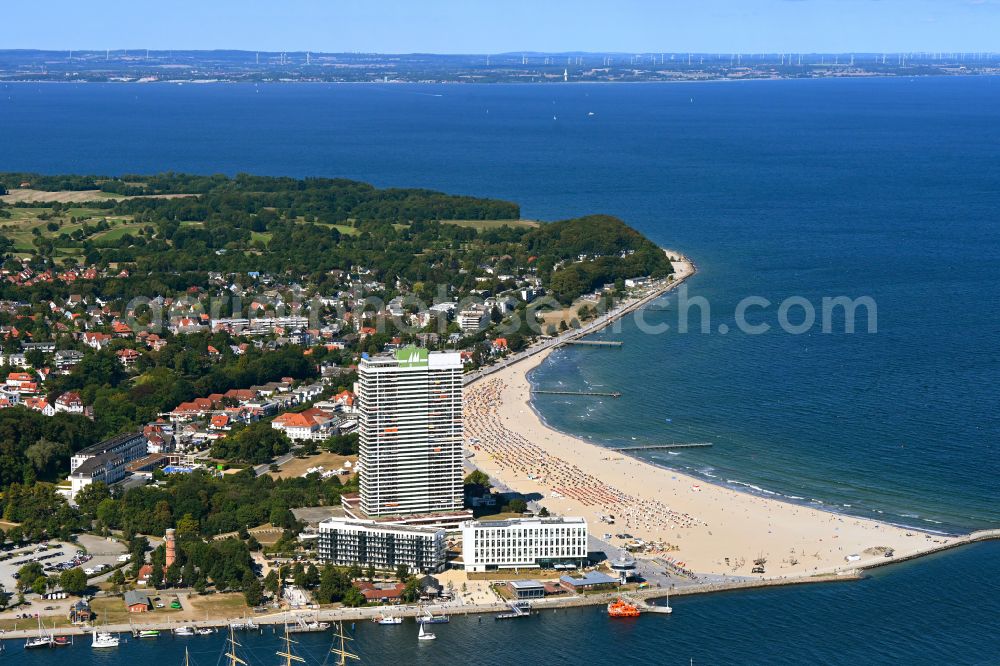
(178, 66)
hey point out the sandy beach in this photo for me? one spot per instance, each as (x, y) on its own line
(703, 527)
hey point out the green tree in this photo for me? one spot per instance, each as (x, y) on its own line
(91, 496)
(411, 591)
(28, 574)
(271, 583)
(156, 577)
(173, 575)
(117, 581)
(73, 581)
(517, 505)
(252, 590)
(353, 598)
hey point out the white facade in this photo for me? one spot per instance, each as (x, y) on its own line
(410, 426)
(381, 545)
(473, 320)
(525, 542)
(130, 446)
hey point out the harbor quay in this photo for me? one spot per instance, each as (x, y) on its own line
(370, 613)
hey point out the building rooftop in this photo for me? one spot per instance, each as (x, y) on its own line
(107, 445)
(133, 597)
(94, 463)
(510, 522)
(331, 523)
(589, 578)
(525, 584)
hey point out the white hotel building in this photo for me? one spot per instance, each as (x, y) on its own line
(523, 542)
(410, 426)
(381, 545)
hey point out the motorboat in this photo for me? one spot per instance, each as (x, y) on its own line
(103, 639)
(303, 627)
(204, 631)
(430, 618)
(183, 631)
(388, 620)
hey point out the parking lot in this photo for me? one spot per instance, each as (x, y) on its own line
(93, 554)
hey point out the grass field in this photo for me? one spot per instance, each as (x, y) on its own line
(21, 225)
(228, 604)
(345, 229)
(123, 227)
(297, 466)
(80, 196)
(74, 196)
(481, 225)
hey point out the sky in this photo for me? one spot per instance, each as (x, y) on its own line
(495, 26)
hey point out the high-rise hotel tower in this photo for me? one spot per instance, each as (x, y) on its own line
(410, 425)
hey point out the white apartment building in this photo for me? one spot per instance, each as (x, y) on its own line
(105, 461)
(410, 425)
(131, 446)
(381, 545)
(523, 542)
(474, 319)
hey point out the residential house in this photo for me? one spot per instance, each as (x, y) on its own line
(137, 602)
(69, 401)
(128, 357)
(95, 339)
(312, 424)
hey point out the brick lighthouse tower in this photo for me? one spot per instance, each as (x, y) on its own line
(171, 546)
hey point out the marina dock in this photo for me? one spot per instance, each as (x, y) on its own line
(595, 343)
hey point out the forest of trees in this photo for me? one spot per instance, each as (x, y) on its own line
(208, 505)
(254, 223)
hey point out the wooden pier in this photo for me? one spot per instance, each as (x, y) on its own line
(653, 447)
(599, 394)
(595, 343)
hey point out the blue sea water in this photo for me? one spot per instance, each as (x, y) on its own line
(884, 188)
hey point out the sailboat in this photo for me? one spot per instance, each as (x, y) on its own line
(424, 635)
(287, 654)
(341, 650)
(43, 639)
(231, 654)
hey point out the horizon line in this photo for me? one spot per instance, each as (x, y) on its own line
(525, 52)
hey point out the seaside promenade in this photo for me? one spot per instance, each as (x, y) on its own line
(279, 619)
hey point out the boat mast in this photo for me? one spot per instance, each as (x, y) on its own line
(341, 651)
(233, 659)
(287, 654)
